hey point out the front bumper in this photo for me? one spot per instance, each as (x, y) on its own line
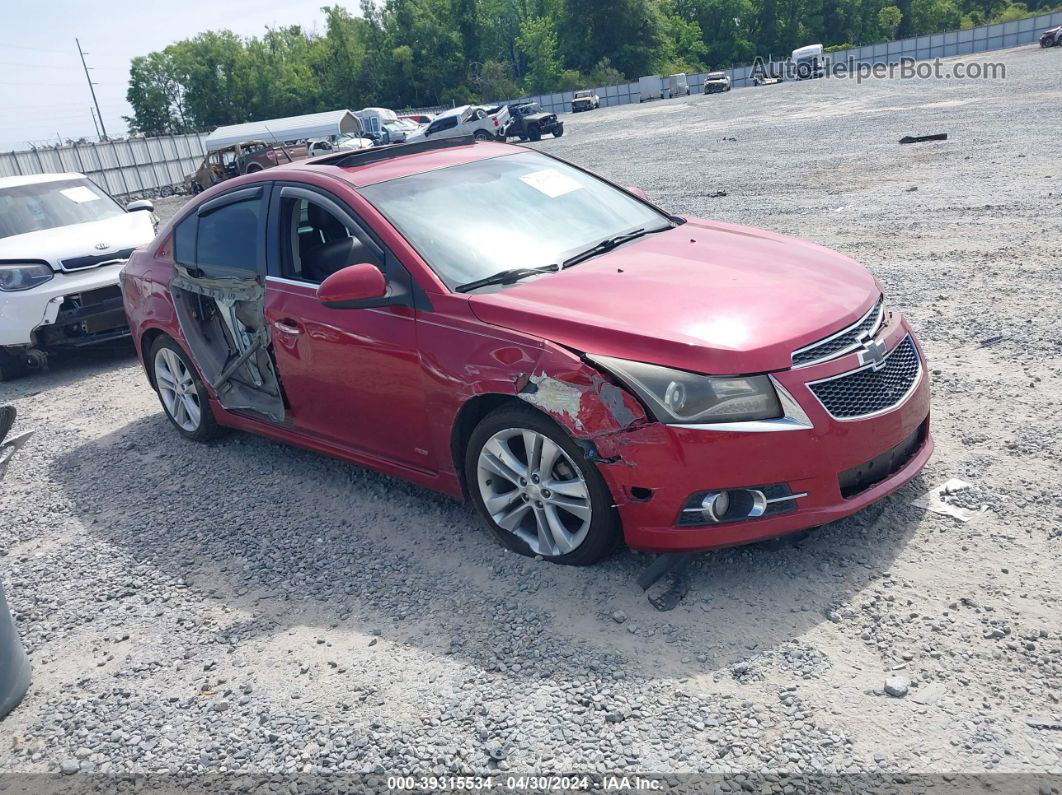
(71, 309)
(715, 88)
(670, 463)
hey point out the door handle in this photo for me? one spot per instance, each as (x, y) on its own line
(287, 326)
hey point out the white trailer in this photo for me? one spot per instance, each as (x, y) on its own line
(650, 87)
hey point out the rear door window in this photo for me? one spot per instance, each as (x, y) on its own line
(226, 237)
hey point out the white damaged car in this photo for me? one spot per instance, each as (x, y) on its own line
(63, 242)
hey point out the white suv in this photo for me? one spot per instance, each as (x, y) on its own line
(63, 242)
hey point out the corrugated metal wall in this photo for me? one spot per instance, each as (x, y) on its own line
(146, 165)
(123, 168)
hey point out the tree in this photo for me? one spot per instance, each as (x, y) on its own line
(538, 43)
(889, 19)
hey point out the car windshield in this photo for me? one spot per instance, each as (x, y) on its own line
(515, 211)
(46, 205)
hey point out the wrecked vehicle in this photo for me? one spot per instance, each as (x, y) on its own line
(716, 83)
(619, 373)
(62, 242)
(246, 157)
(1051, 37)
(529, 122)
(585, 100)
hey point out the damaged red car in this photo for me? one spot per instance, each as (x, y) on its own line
(502, 326)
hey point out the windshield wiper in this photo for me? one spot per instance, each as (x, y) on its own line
(504, 277)
(608, 244)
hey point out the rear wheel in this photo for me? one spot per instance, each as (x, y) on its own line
(482, 135)
(181, 392)
(537, 492)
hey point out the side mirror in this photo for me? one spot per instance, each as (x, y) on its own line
(637, 192)
(353, 287)
(141, 204)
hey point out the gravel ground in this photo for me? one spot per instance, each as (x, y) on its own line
(249, 606)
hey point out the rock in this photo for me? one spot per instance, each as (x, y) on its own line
(897, 686)
(615, 717)
(221, 706)
(69, 766)
(619, 616)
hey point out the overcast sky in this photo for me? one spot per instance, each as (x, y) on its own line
(43, 92)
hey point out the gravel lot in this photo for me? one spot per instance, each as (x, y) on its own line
(249, 606)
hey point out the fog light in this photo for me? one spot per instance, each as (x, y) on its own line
(715, 505)
(732, 505)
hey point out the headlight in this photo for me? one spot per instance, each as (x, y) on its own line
(23, 275)
(680, 398)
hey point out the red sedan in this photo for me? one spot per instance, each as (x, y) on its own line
(502, 326)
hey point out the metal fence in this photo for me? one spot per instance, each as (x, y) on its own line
(919, 48)
(135, 167)
(149, 166)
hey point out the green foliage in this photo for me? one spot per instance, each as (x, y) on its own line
(423, 53)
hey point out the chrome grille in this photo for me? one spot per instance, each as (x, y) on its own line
(845, 340)
(867, 391)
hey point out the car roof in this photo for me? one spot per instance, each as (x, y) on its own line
(418, 161)
(33, 179)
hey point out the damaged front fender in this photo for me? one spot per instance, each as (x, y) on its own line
(592, 408)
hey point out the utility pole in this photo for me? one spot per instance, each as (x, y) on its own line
(94, 124)
(93, 90)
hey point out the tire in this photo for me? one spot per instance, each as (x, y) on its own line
(541, 525)
(254, 168)
(534, 133)
(169, 365)
(482, 135)
(11, 367)
(558, 131)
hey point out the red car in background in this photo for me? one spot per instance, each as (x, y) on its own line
(497, 324)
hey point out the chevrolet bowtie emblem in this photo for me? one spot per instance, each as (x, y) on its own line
(873, 353)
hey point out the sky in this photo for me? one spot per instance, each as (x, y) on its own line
(43, 91)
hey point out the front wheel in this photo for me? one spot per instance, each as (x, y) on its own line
(12, 366)
(181, 392)
(537, 492)
(534, 134)
(558, 131)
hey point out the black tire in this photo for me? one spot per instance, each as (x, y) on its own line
(207, 427)
(11, 367)
(482, 135)
(534, 133)
(558, 131)
(604, 534)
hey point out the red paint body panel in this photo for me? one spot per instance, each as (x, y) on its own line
(384, 387)
(711, 298)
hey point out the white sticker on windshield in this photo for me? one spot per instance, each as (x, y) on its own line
(552, 182)
(80, 194)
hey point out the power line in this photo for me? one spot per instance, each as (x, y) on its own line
(57, 66)
(57, 52)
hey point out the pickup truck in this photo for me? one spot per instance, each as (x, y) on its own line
(472, 120)
(246, 157)
(530, 122)
(585, 100)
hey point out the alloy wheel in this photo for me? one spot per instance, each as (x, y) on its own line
(532, 489)
(177, 389)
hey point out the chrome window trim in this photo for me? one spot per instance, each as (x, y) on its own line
(794, 418)
(906, 395)
(879, 307)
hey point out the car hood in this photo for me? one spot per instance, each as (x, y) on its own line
(117, 233)
(705, 296)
